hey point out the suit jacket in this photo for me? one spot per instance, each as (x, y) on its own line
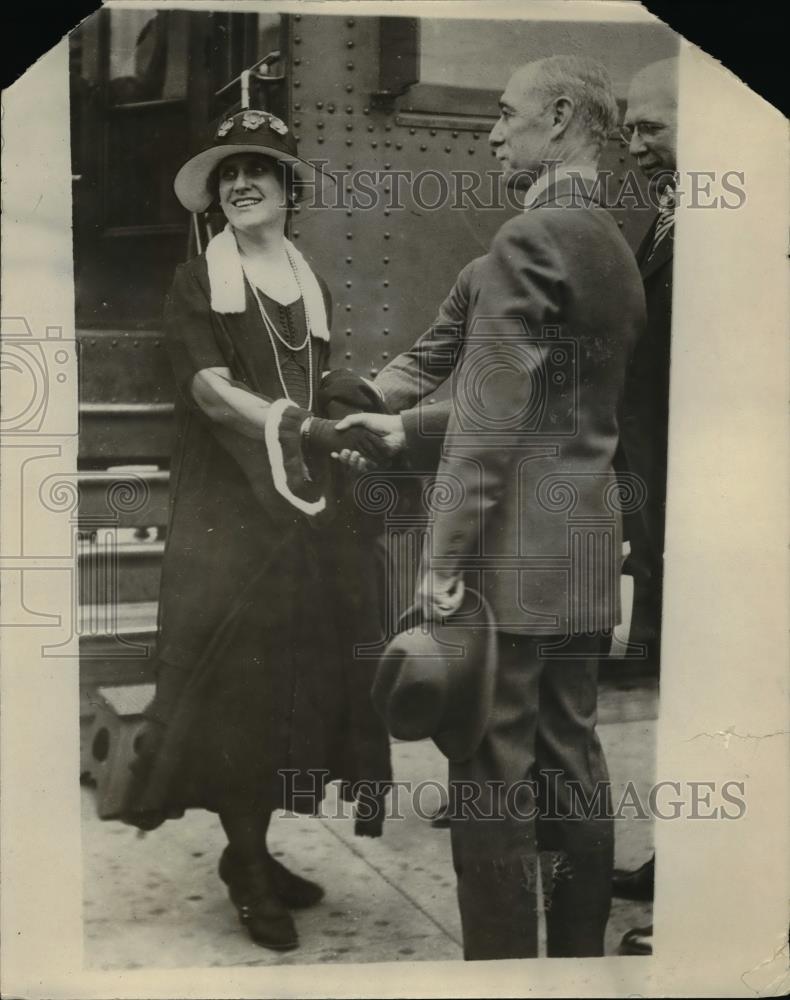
(645, 410)
(535, 336)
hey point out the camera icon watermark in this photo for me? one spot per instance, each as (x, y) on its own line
(33, 367)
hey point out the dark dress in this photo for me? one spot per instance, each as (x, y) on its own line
(260, 697)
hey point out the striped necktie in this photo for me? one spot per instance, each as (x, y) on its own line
(665, 220)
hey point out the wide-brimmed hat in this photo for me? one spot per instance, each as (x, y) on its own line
(437, 679)
(248, 131)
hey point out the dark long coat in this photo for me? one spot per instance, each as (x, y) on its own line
(259, 693)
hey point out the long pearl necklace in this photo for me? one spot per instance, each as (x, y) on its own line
(275, 335)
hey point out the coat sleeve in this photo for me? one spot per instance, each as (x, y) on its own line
(416, 373)
(500, 380)
(193, 346)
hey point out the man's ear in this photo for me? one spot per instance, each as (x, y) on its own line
(562, 113)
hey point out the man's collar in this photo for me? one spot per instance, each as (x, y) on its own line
(551, 176)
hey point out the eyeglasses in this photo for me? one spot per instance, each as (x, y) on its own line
(646, 129)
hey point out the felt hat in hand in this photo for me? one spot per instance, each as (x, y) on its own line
(437, 678)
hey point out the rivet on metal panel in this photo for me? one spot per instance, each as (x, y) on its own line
(349, 65)
(115, 343)
(297, 62)
(455, 135)
(296, 234)
(296, 136)
(349, 109)
(135, 343)
(297, 83)
(348, 284)
(620, 223)
(297, 39)
(374, 144)
(319, 124)
(297, 122)
(366, 111)
(348, 354)
(387, 143)
(348, 307)
(374, 372)
(350, 22)
(386, 330)
(423, 147)
(386, 211)
(399, 145)
(475, 135)
(297, 209)
(622, 159)
(386, 260)
(387, 166)
(319, 104)
(349, 259)
(371, 128)
(320, 138)
(349, 127)
(387, 235)
(349, 88)
(448, 149)
(330, 108)
(297, 17)
(297, 106)
(349, 165)
(412, 131)
(349, 236)
(349, 212)
(387, 128)
(348, 331)
(349, 188)
(385, 307)
(433, 131)
(349, 44)
(349, 142)
(385, 354)
(471, 150)
(386, 283)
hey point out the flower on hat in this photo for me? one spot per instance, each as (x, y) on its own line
(277, 125)
(224, 128)
(253, 119)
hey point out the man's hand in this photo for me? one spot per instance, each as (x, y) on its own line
(388, 428)
(439, 595)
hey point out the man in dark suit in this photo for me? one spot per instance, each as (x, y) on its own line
(535, 337)
(650, 128)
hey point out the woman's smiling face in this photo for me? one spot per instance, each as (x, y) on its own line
(251, 192)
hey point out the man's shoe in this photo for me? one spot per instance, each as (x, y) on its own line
(636, 885)
(637, 941)
(261, 910)
(295, 892)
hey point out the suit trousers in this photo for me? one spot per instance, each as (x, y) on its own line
(535, 797)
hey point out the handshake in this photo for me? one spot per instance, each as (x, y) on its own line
(360, 441)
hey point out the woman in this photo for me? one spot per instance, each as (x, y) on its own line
(259, 701)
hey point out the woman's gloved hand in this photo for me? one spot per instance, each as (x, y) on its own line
(322, 438)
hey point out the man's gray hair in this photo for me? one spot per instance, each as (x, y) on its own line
(587, 83)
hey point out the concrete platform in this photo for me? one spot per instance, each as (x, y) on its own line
(154, 901)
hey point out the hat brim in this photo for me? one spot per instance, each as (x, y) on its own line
(191, 183)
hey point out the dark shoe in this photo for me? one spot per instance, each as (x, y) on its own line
(295, 892)
(261, 910)
(635, 885)
(637, 941)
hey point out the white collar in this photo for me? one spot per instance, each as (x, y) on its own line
(552, 175)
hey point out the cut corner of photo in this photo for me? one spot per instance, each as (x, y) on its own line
(394, 480)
